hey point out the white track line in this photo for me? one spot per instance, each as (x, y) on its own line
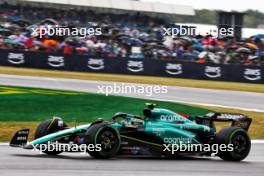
(213, 105)
(4, 144)
(257, 141)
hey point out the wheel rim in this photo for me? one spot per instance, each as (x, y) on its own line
(108, 141)
(240, 144)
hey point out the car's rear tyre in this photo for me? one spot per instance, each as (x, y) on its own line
(47, 127)
(108, 138)
(240, 140)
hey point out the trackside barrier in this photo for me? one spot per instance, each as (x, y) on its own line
(150, 67)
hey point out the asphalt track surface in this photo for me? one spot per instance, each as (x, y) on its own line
(222, 98)
(20, 162)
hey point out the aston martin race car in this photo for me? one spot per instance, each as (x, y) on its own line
(160, 132)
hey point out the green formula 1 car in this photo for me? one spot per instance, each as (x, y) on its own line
(160, 132)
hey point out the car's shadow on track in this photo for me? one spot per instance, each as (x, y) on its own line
(85, 157)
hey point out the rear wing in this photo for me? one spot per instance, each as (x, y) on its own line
(238, 120)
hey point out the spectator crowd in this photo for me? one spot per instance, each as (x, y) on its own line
(133, 35)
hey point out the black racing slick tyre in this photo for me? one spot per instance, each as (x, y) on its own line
(107, 137)
(47, 127)
(240, 140)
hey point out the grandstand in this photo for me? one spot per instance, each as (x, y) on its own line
(121, 5)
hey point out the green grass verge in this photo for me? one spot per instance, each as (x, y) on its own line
(24, 104)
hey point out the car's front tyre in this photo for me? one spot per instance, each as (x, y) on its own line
(107, 137)
(47, 127)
